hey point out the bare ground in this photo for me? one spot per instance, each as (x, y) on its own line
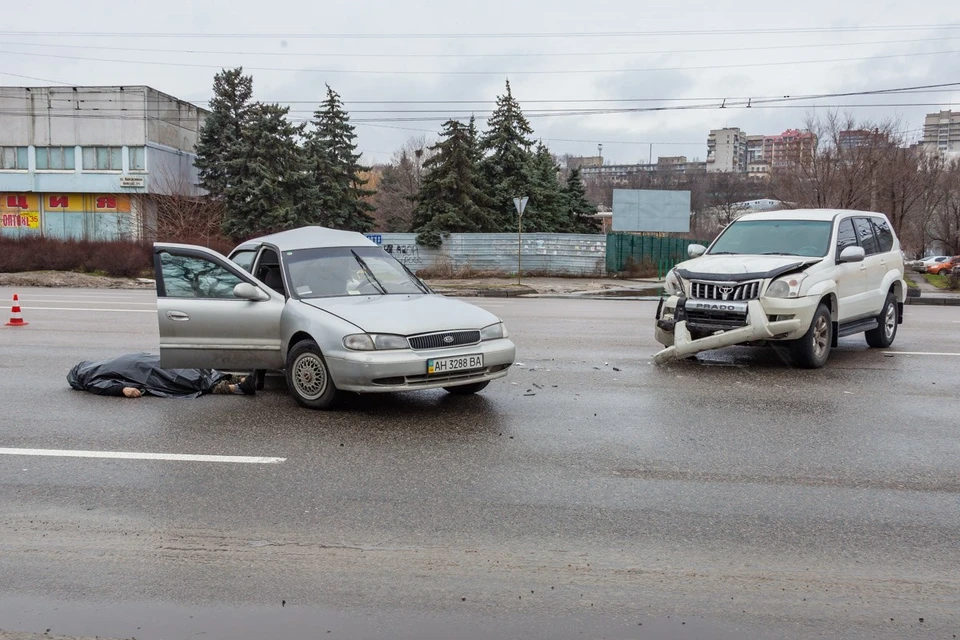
(457, 286)
(71, 279)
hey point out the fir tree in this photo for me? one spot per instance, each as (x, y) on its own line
(277, 192)
(547, 209)
(330, 152)
(506, 166)
(219, 159)
(578, 208)
(449, 200)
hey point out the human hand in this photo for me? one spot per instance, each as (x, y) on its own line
(132, 392)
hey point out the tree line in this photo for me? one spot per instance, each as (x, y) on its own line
(268, 174)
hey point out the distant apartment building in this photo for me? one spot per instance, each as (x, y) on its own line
(621, 173)
(791, 147)
(862, 138)
(754, 148)
(578, 162)
(758, 169)
(727, 151)
(941, 133)
(87, 162)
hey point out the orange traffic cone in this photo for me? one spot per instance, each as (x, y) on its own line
(16, 319)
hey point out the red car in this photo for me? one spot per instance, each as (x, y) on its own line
(945, 266)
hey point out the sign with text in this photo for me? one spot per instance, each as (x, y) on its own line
(20, 210)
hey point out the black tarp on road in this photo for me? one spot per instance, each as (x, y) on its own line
(142, 371)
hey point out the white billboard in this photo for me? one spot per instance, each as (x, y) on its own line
(651, 210)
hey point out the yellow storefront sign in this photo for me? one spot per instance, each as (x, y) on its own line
(20, 210)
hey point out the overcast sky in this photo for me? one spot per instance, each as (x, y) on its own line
(665, 53)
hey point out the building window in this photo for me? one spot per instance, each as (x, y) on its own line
(56, 158)
(137, 159)
(102, 159)
(13, 158)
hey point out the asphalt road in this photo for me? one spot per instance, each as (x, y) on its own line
(589, 494)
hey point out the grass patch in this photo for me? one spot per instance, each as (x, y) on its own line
(940, 282)
(911, 284)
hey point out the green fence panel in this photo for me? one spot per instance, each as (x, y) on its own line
(664, 253)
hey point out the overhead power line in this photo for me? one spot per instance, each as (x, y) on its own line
(548, 54)
(488, 35)
(515, 72)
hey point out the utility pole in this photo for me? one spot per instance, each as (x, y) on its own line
(520, 204)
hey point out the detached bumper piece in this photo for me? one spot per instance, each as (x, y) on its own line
(705, 315)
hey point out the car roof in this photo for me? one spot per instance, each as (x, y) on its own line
(310, 238)
(827, 215)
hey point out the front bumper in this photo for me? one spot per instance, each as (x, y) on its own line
(764, 319)
(406, 369)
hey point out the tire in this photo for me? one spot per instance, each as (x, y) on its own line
(308, 377)
(467, 389)
(812, 350)
(883, 336)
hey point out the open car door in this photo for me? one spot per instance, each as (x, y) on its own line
(212, 313)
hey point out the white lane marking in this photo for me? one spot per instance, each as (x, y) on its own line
(83, 309)
(83, 301)
(921, 353)
(131, 455)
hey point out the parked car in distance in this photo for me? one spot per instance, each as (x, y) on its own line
(921, 266)
(330, 308)
(944, 266)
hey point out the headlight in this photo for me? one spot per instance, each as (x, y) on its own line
(788, 287)
(672, 284)
(493, 332)
(372, 341)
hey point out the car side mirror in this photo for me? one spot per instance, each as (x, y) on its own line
(852, 254)
(246, 291)
(696, 250)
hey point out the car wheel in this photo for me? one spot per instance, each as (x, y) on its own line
(467, 389)
(812, 350)
(882, 337)
(308, 377)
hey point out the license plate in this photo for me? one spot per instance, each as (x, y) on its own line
(458, 363)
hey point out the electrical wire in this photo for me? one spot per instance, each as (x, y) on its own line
(406, 72)
(462, 36)
(553, 54)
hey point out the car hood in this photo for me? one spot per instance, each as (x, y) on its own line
(757, 266)
(405, 314)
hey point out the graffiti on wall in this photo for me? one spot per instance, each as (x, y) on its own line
(408, 254)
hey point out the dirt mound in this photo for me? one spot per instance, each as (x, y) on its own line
(71, 279)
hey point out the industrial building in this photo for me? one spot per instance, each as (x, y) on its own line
(87, 162)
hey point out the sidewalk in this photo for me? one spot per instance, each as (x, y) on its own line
(543, 287)
(930, 295)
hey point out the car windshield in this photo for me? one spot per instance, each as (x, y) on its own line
(348, 271)
(807, 238)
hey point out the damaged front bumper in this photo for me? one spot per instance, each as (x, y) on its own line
(727, 323)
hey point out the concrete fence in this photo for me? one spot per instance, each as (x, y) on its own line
(560, 254)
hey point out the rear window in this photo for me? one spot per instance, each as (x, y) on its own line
(868, 240)
(884, 234)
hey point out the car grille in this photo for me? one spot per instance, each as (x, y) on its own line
(700, 321)
(723, 291)
(444, 339)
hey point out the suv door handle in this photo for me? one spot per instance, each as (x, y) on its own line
(177, 315)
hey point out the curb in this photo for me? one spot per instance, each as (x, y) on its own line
(940, 301)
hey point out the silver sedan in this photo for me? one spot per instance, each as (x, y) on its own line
(330, 308)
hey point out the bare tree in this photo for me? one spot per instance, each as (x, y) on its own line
(945, 224)
(178, 213)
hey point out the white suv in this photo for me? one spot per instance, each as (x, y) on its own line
(802, 278)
